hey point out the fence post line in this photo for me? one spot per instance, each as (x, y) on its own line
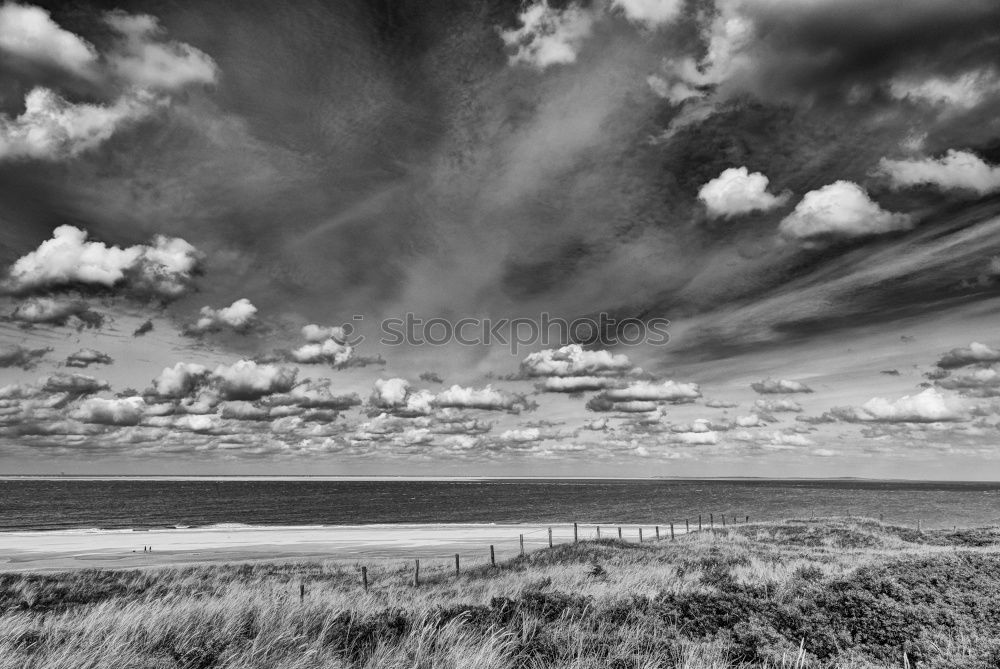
(747, 520)
(521, 539)
(687, 526)
(416, 572)
(723, 520)
(364, 577)
(711, 521)
(457, 572)
(671, 531)
(302, 591)
(550, 537)
(657, 532)
(619, 534)
(699, 522)
(640, 535)
(575, 536)
(493, 557)
(598, 531)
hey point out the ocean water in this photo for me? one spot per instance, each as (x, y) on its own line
(67, 504)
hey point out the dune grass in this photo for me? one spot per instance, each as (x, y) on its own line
(829, 593)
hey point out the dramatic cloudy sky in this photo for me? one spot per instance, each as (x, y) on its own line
(195, 198)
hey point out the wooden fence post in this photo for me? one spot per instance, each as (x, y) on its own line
(416, 572)
(493, 557)
(699, 522)
(640, 535)
(364, 578)
(302, 591)
(457, 572)
(747, 520)
(550, 537)
(598, 532)
(723, 520)
(657, 532)
(687, 526)
(575, 536)
(619, 534)
(521, 539)
(711, 521)
(671, 531)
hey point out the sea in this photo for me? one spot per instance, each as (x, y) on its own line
(142, 504)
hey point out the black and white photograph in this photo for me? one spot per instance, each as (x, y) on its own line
(499, 334)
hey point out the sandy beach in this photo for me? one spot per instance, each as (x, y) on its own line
(88, 549)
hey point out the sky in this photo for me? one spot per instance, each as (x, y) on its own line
(780, 217)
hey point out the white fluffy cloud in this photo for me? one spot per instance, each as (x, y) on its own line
(647, 391)
(650, 13)
(247, 380)
(141, 59)
(124, 411)
(53, 128)
(329, 351)
(86, 357)
(776, 386)
(396, 396)
(164, 268)
(975, 352)
(738, 191)
(313, 333)
(573, 360)
(179, 380)
(926, 407)
(30, 33)
(238, 316)
(778, 406)
(837, 211)
(548, 36)
(956, 170)
(576, 384)
(139, 63)
(487, 398)
(38, 310)
(962, 91)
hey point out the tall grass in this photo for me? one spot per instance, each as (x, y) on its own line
(788, 595)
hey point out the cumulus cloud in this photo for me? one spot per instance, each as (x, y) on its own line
(143, 60)
(74, 384)
(975, 352)
(547, 35)
(706, 438)
(164, 269)
(49, 311)
(180, 380)
(313, 395)
(52, 128)
(648, 391)
(30, 33)
(778, 406)
(239, 316)
(574, 360)
(139, 63)
(396, 396)
(643, 396)
(650, 13)
(576, 384)
(738, 191)
(86, 357)
(247, 380)
(841, 210)
(487, 398)
(771, 386)
(929, 406)
(121, 411)
(329, 351)
(980, 383)
(964, 90)
(21, 356)
(955, 170)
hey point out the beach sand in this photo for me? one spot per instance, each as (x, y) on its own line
(106, 549)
